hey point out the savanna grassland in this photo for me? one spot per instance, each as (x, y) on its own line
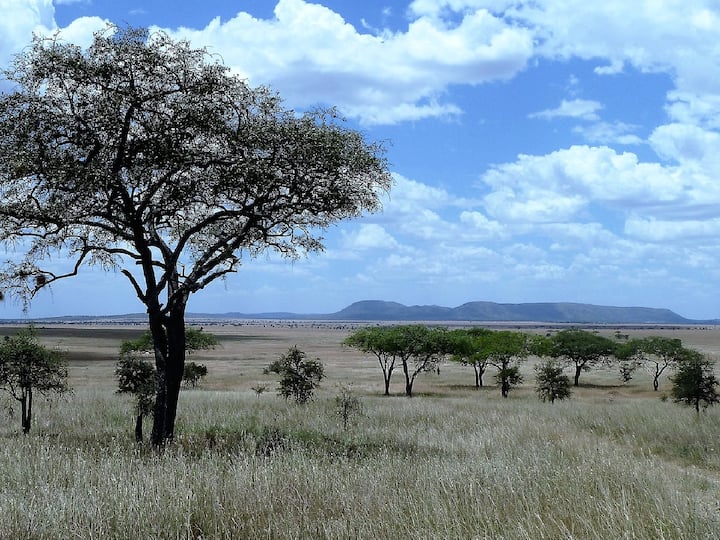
(615, 461)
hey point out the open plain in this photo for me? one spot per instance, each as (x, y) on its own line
(615, 461)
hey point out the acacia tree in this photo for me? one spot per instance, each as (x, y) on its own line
(694, 382)
(466, 347)
(375, 340)
(144, 155)
(420, 349)
(581, 349)
(657, 352)
(27, 367)
(505, 349)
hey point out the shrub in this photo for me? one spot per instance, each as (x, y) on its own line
(552, 383)
(348, 407)
(193, 372)
(299, 377)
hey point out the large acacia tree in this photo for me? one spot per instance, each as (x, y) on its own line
(144, 155)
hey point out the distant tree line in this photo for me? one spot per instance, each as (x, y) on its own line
(419, 348)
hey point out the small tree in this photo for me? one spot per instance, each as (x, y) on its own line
(656, 352)
(193, 373)
(505, 350)
(466, 347)
(348, 406)
(299, 377)
(581, 349)
(27, 367)
(137, 377)
(694, 382)
(551, 382)
(376, 340)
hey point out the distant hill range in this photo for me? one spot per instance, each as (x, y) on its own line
(378, 310)
(559, 312)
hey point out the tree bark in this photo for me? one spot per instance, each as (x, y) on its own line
(175, 368)
(169, 338)
(408, 380)
(139, 428)
(387, 384)
(578, 370)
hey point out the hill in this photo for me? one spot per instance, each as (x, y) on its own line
(379, 310)
(563, 312)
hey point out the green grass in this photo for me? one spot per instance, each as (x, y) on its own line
(470, 465)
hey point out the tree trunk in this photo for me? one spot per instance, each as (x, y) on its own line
(408, 380)
(387, 384)
(169, 338)
(157, 329)
(578, 370)
(175, 368)
(139, 428)
(478, 380)
(656, 383)
(26, 410)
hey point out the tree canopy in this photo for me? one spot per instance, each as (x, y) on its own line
(144, 155)
(581, 349)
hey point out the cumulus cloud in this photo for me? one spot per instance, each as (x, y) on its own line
(557, 186)
(310, 54)
(18, 23)
(369, 236)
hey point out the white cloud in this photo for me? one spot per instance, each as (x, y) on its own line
(369, 236)
(609, 133)
(557, 186)
(310, 55)
(654, 230)
(689, 145)
(18, 22)
(582, 109)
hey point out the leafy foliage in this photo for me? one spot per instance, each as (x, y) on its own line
(193, 372)
(581, 349)
(695, 383)
(418, 348)
(551, 382)
(376, 340)
(27, 367)
(137, 376)
(467, 347)
(659, 353)
(195, 340)
(299, 377)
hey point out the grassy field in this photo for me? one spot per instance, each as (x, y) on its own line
(615, 461)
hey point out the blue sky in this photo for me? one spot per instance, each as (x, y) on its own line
(543, 151)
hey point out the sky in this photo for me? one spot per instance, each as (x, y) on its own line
(542, 150)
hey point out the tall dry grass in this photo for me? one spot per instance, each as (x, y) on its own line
(445, 466)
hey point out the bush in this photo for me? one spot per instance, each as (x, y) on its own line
(193, 373)
(348, 406)
(552, 383)
(299, 377)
